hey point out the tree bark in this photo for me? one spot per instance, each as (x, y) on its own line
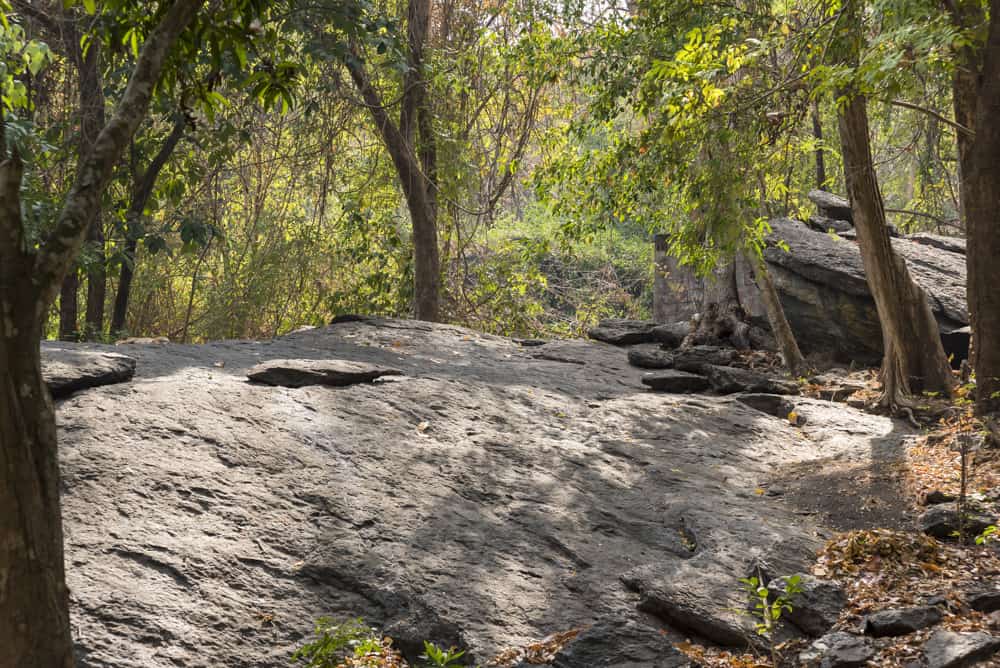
(419, 188)
(980, 172)
(783, 335)
(34, 605)
(69, 306)
(818, 135)
(914, 356)
(34, 601)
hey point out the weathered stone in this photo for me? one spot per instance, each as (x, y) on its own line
(822, 286)
(948, 649)
(728, 380)
(623, 332)
(301, 373)
(828, 225)
(695, 358)
(671, 335)
(831, 206)
(941, 522)
(208, 516)
(816, 608)
(838, 650)
(66, 371)
(935, 497)
(887, 623)
(617, 642)
(949, 244)
(772, 404)
(678, 382)
(647, 356)
(984, 601)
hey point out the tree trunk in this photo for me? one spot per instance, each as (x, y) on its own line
(789, 347)
(69, 306)
(914, 356)
(981, 191)
(818, 135)
(722, 320)
(124, 283)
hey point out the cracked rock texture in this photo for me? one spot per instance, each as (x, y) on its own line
(491, 495)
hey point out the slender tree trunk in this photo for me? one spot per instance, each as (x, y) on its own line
(783, 335)
(818, 135)
(69, 306)
(124, 282)
(981, 192)
(914, 356)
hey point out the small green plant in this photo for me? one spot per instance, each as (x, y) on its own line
(769, 605)
(435, 657)
(989, 534)
(332, 641)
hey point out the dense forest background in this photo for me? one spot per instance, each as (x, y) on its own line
(277, 203)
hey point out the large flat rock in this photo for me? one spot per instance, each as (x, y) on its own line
(67, 370)
(488, 497)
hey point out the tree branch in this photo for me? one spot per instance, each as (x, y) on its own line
(933, 114)
(61, 246)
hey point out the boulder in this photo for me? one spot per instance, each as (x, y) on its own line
(941, 522)
(772, 404)
(831, 206)
(650, 357)
(677, 382)
(816, 608)
(822, 286)
(729, 380)
(838, 650)
(617, 642)
(890, 623)
(68, 371)
(623, 332)
(948, 649)
(300, 373)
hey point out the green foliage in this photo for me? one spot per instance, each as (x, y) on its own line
(332, 641)
(436, 657)
(989, 534)
(768, 605)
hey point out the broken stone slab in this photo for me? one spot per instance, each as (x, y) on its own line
(899, 622)
(827, 225)
(68, 371)
(950, 244)
(622, 332)
(816, 608)
(301, 372)
(936, 497)
(832, 206)
(948, 649)
(694, 358)
(941, 522)
(729, 380)
(650, 357)
(672, 335)
(677, 382)
(838, 650)
(772, 404)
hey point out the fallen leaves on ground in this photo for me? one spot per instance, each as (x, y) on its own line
(536, 653)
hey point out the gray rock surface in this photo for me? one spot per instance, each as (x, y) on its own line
(695, 358)
(485, 498)
(941, 522)
(678, 382)
(671, 335)
(66, 369)
(301, 373)
(816, 608)
(950, 244)
(948, 649)
(650, 357)
(827, 225)
(831, 206)
(822, 286)
(624, 332)
(615, 643)
(729, 380)
(838, 650)
(899, 622)
(985, 601)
